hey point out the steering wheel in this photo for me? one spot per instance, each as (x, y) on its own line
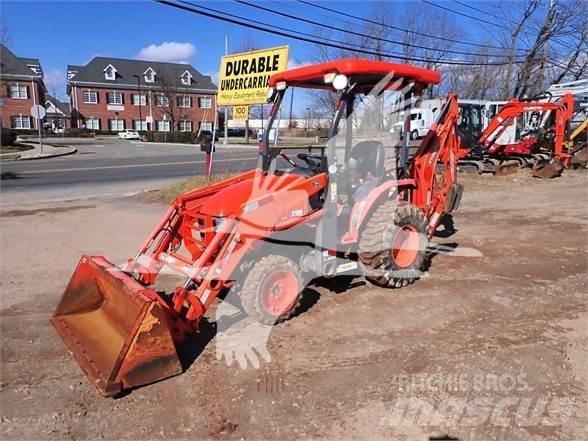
(313, 161)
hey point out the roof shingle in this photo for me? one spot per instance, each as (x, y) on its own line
(93, 73)
(11, 65)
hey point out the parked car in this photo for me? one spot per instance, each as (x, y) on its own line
(238, 132)
(206, 135)
(273, 135)
(129, 134)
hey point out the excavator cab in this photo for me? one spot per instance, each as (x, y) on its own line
(360, 203)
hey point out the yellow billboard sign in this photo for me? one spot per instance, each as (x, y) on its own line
(240, 113)
(244, 77)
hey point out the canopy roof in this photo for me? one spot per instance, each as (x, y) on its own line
(367, 73)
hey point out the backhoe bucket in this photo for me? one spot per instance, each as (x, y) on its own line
(505, 168)
(116, 328)
(546, 169)
(579, 156)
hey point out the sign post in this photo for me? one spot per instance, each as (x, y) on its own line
(39, 113)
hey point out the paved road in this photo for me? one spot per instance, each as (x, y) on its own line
(112, 161)
(110, 167)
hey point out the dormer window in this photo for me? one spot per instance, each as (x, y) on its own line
(149, 76)
(110, 72)
(186, 78)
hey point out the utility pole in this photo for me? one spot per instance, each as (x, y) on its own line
(226, 141)
(291, 106)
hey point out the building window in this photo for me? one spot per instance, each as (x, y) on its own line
(117, 124)
(115, 98)
(205, 125)
(162, 101)
(184, 101)
(20, 122)
(139, 100)
(162, 126)
(110, 73)
(185, 126)
(18, 92)
(149, 76)
(90, 97)
(92, 123)
(139, 124)
(186, 78)
(205, 102)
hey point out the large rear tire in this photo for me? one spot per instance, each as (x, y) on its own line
(272, 289)
(393, 245)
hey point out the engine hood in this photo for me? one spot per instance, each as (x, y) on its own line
(228, 202)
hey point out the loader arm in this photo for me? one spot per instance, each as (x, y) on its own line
(437, 196)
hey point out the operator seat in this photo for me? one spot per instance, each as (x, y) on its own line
(367, 157)
(365, 167)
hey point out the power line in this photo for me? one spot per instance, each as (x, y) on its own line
(532, 31)
(487, 46)
(337, 42)
(465, 5)
(359, 34)
(465, 15)
(288, 33)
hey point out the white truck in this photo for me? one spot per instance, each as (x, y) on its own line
(421, 120)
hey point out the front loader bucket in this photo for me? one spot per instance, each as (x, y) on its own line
(116, 328)
(545, 169)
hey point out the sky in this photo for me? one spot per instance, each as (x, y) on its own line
(73, 32)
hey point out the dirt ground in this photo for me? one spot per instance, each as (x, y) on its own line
(491, 345)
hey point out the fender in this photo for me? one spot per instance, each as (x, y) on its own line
(363, 208)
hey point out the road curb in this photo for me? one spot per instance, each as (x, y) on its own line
(197, 146)
(33, 158)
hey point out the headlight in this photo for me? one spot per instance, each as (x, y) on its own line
(270, 93)
(340, 82)
(329, 77)
(281, 85)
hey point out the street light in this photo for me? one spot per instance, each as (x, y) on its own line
(307, 120)
(140, 114)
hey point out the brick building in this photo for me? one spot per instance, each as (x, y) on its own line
(58, 112)
(21, 87)
(116, 94)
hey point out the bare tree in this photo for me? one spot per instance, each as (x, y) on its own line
(172, 95)
(515, 35)
(4, 34)
(577, 63)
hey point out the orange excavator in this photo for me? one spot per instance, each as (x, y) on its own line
(546, 152)
(355, 207)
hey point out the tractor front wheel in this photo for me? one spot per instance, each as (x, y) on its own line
(393, 244)
(272, 290)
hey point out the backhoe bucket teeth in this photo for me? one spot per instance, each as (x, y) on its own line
(507, 168)
(117, 330)
(545, 169)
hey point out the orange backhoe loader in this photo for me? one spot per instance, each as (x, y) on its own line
(545, 152)
(357, 206)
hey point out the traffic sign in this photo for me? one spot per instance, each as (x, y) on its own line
(240, 113)
(38, 112)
